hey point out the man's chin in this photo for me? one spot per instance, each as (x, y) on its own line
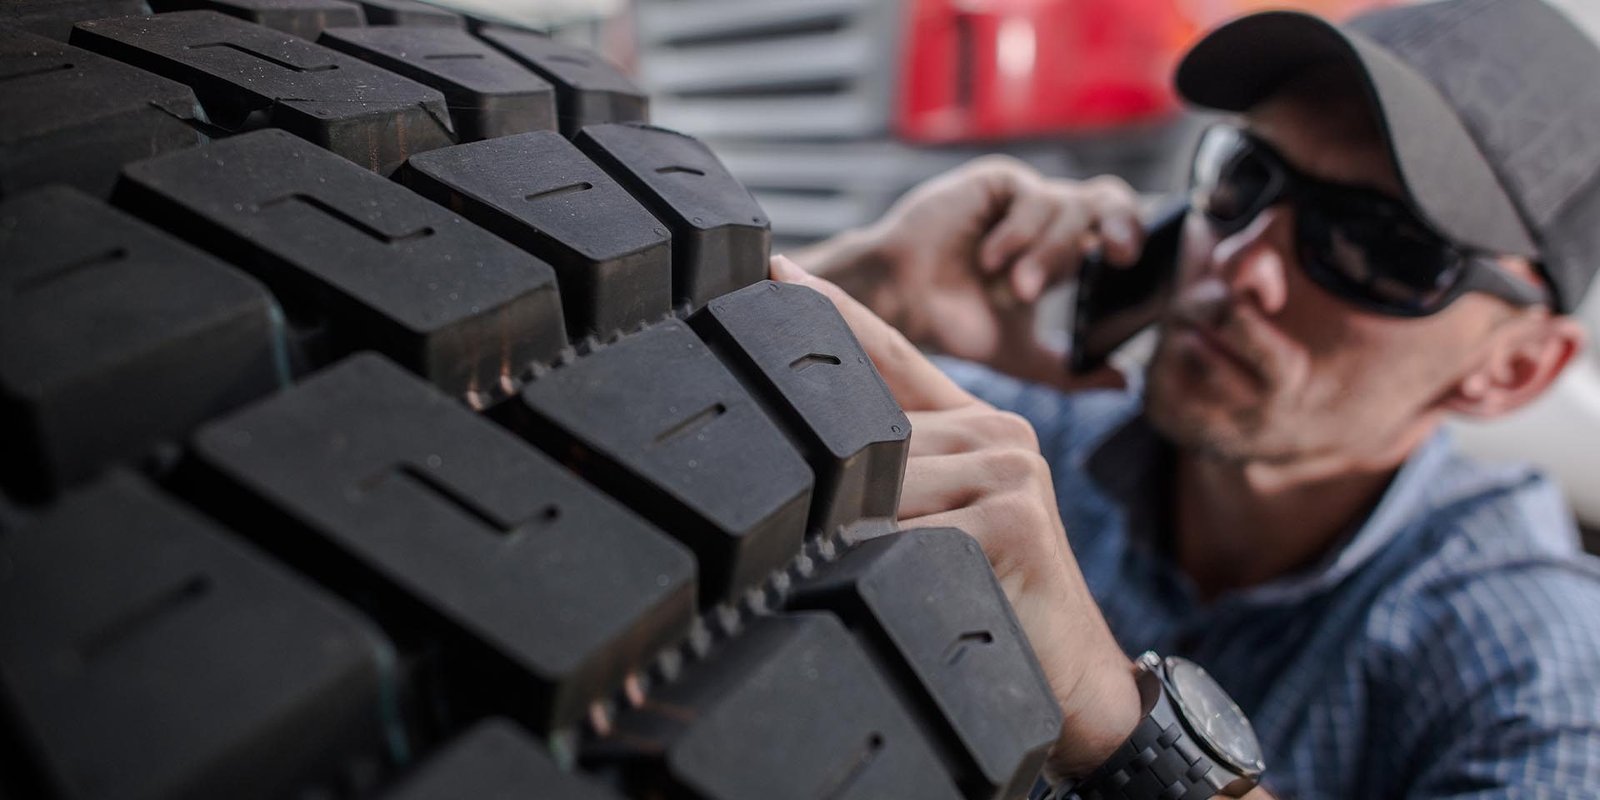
(1195, 416)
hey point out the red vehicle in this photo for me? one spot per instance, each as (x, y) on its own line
(828, 109)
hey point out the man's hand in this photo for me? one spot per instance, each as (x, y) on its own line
(959, 262)
(979, 469)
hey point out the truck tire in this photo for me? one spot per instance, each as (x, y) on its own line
(399, 414)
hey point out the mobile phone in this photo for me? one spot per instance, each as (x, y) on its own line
(1115, 303)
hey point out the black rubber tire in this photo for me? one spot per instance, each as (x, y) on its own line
(401, 415)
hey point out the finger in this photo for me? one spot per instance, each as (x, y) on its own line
(938, 433)
(914, 381)
(967, 519)
(1026, 217)
(1055, 255)
(978, 426)
(936, 484)
(1115, 207)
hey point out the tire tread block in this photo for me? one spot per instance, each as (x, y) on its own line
(302, 18)
(489, 95)
(75, 117)
(149, 655)
(542, 592)
(385, 268)
(589, 89)
(793, 347)
(541, 193)
(54, 18)
(410, 13)
(721, 239)
(932, 598)
(791, 709)
(246, 75)
(656, 421)
(99, 357)
(495, 760)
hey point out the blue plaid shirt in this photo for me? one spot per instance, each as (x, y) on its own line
(1449, 647)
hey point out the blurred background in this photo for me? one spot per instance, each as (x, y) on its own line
(828, 110)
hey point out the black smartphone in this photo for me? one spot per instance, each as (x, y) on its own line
(1115, 303)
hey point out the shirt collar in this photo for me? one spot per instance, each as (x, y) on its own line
(1133, 465)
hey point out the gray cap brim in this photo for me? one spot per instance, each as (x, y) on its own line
(1446, 175)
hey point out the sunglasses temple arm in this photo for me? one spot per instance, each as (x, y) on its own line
(1488, 277)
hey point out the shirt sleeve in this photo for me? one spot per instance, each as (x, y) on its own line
(1487, 683)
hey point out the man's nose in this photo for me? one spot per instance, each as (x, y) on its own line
(1254, 261)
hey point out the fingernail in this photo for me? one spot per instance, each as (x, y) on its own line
(1029, 281)
(784, 270)
(1117, 231)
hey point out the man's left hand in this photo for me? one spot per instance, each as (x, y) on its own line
(979, 469)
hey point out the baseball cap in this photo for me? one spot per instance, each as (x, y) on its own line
(1491, 109)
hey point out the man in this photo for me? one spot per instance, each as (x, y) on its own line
(1389, 234)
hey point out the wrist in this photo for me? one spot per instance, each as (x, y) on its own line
(1099, 712)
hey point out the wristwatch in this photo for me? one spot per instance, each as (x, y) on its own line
(1192, 743)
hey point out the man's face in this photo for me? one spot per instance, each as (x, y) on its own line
(1256, 363)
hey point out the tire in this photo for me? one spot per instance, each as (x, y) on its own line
(401, 415)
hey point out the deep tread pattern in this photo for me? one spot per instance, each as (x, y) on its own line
(247, 76)
(720, 238)
(799, 357)
(54, 18)
(489, 94)
(362, 261)
(99, 358)
(463, 467)
(539, 192)
(495, 760)
(931, 605)
(657, 421)
(542, 592)
(790, 709)
(302, 18)
(148, 654)
(76, 117)
(410, 13)
(591, 90)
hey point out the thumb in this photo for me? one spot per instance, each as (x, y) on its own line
(914, 381)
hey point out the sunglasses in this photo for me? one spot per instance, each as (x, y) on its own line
(1360, 245)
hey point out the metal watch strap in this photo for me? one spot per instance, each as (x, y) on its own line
(1160, 760)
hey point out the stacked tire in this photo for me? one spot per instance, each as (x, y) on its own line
(390, 411)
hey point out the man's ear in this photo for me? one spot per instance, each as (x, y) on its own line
(1527, 356)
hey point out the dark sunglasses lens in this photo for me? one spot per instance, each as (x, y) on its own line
(1382, 263)
(1230, 178)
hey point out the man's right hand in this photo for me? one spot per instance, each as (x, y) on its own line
(959, 263)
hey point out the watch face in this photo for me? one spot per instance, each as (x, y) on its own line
(1214, 718)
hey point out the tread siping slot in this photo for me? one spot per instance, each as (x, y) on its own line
(37, 282)
(868, 753)
(324, 207)
(123, 628)
(28, 73)
(572, 188)
(699, 420)
(810, 360)
(965, 641)
(263, 56)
